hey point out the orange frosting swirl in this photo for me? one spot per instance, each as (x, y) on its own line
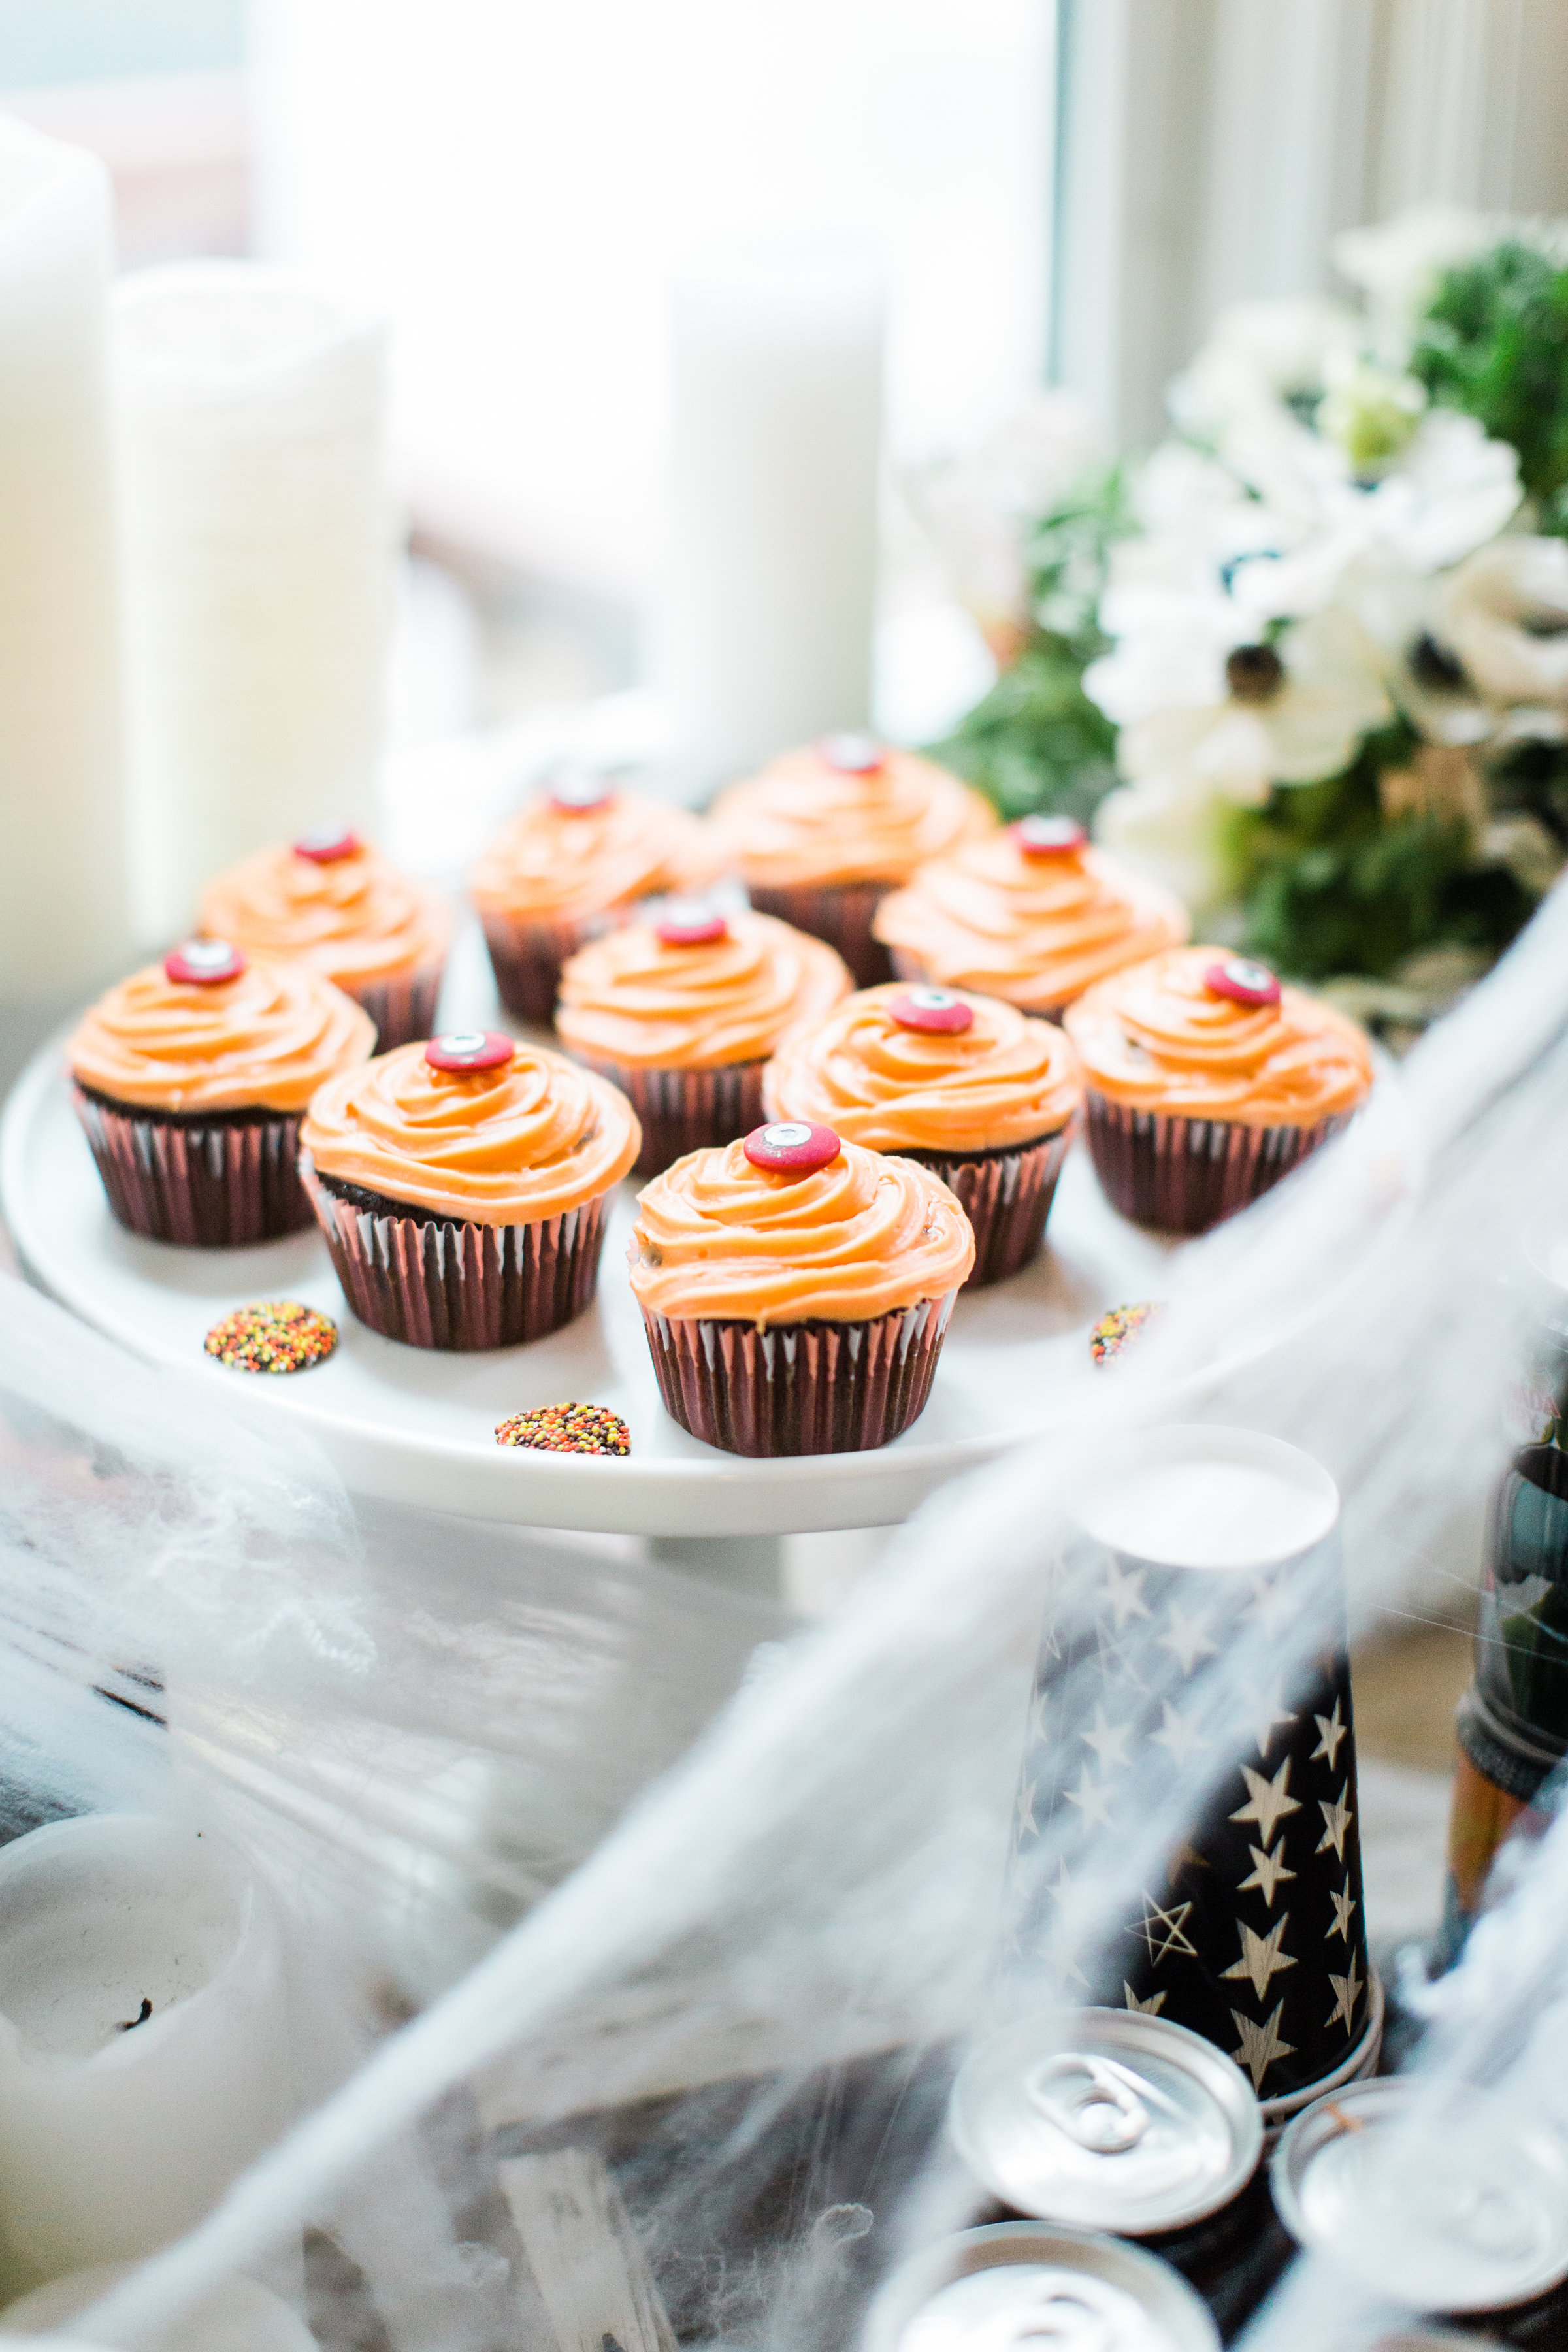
(265, 1040)
(1157, 1038)
(356, 919)
(1037, 930)
(803, 820)
(528, 1139)
(716, 1237)
(631, 998)
(560, 866)
(1006, 1080)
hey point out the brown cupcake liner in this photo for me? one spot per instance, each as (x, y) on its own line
(800, 1388)
(402, 1006)
(686, 1110)
(1006, 1196)
(908, 966)
(219, 1180)
(526, 958)
(437, 1282)
(1184, 1175)
(839, 912)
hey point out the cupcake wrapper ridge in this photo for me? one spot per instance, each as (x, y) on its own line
(527, 957)
(1006, 1196)
(225, 1184)
(801, 1388)
(403, 1007)
(686, 1110)
(1185, 1175)
(433, 1282)
(839, 912)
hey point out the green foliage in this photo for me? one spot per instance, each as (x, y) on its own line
(1495, 344)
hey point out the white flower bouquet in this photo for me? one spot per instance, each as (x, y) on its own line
(1307, 663)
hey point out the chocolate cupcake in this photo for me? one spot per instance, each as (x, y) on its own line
(332, 902)
(461, 1185)
(823, 834)
(968, 1086)
(1033, 914)
(575, 863)
(796, 1290)
(681, 1014)
(1208, 1082)
(190, 1078)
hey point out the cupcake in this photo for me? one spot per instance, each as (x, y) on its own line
(335, 903)
(970, 1087)
(796, 1290)
(823, 835)
(190, 1078)
(1208, 1082)
(1032, 914)
(461, 1185)
(683, 1013)
(575, 863)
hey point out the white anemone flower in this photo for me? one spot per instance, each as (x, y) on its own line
(1399, 264)
(1396, 606)
(1259, 357)
(976, 508)
(1503, 614)
(1171, 829)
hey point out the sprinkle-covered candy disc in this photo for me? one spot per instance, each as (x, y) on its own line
(1048, 837)
(566, 1429)
(691, 926)
(1115, 1331)
(791, 1147)
(1243, 981)
(576, 790)
(853, 753)
(277, 1335)
(469, 1049)
(935, 1008)
(327, 843)
(203, 963)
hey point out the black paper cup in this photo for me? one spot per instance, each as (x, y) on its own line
(1184, 1175)
(204, 1179)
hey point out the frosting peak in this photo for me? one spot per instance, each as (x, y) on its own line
(718, 1237)
(643, 1000)
(806, 819)
(351, 915)
(559, 864)
(265, 1039)
(1004, 1080)
(1159, 1037)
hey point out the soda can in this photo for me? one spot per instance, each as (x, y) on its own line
(1135, 2126)
(1470, 2224)
(1017, 2284)
(1255, 1937)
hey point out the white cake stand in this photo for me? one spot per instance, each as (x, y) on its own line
(410, 1425)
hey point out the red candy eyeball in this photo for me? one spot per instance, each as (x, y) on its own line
(1243, 981)
(853, 753)
(691, 927)
(791, 1147)
(202, 963)
(577, 792)
(934, 1009)
(327, 843)
(1048, 837)
(469, 1049)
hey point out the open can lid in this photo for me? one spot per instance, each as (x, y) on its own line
(1020, 2282)
(1135, 2125)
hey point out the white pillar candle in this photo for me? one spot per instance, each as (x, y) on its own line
(144, 2042)
(256, 550)
(237, 2316)
(63, 905)
(778, 395)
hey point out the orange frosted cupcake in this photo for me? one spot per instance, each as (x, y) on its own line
(796, 1290)
(190, 1078)
(682, 1014)
(574, 864)
(823, 835)
(1208, 1082)
(969, 1087)
(460, 1185)
(335, 903)
(1032, 914)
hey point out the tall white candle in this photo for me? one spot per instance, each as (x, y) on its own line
(256, 545)
(778, 395)
(237, 2316)
(63, 906)
(144, 2042)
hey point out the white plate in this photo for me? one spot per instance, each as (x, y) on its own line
(412, 1425)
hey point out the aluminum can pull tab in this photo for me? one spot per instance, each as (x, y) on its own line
(1100, 2105)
